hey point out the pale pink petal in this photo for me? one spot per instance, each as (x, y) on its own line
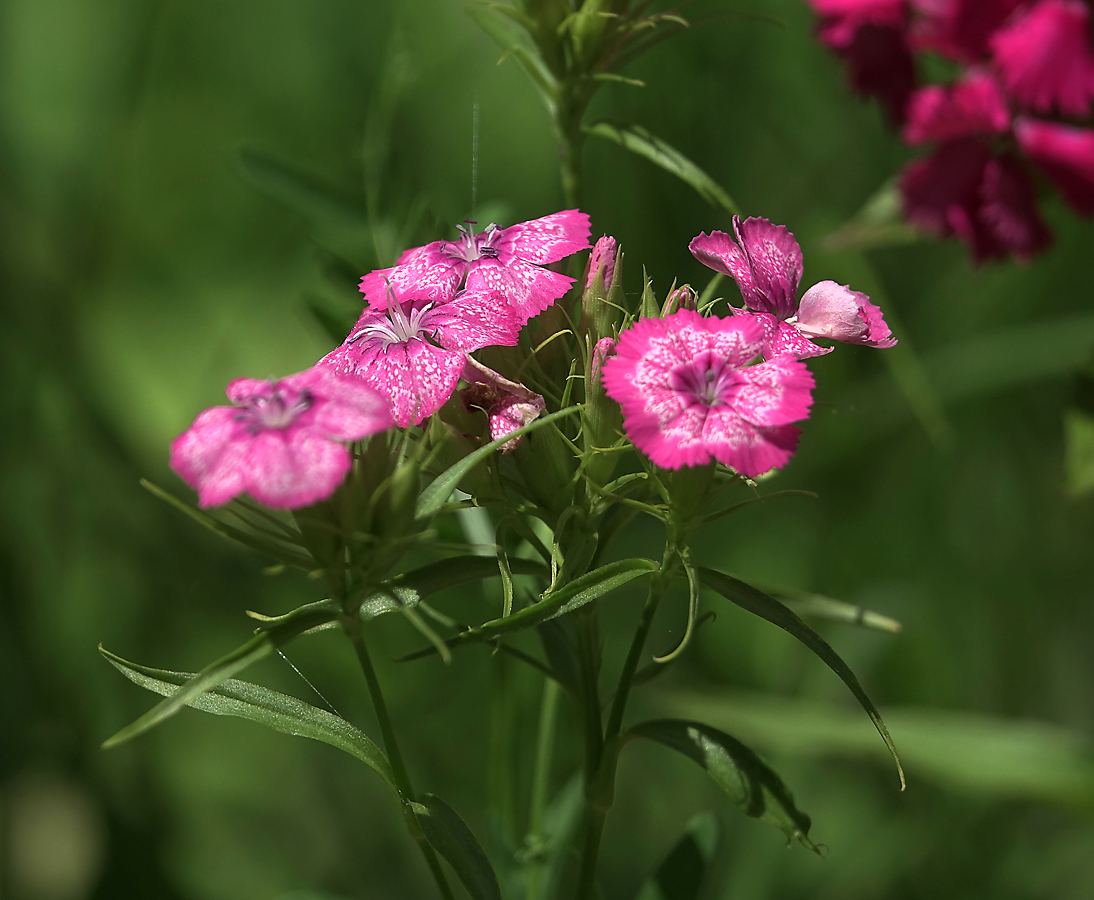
(527, 288)
(477, 318)
(350, 411)
(974, 105)
(545, 240)
(422, 273)
(1066, 155)
(290, 468)
(784, 339)
(208, 455)
(1045, 57)
(835, 311)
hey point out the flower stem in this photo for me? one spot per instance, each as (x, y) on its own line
(541, 782)
(352, 627)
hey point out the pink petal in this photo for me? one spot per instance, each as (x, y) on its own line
(350, 410)
(774, 393)
(1066, 155)
(1045, 57)
(208, 456)
(835, 311)
(476, 318)
(545, 240)
(783, 339)
(294, 467)
(974, 105)
(527, 288)
(422, 273)
(746, 448)
(959, 29)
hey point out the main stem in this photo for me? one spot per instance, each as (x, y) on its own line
(398, 767)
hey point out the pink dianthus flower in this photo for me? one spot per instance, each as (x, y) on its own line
(282, 442)
(689, 392)
(1066, 155)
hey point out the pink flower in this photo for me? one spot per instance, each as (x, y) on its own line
(281, 441)
(973, 105)
(963, 189)
(689, 394)
(413, 351)
(878, 59)
(959, 29)
(506, 260)
(507, 404)
(1066, 155)
(1045, 57)
(602, 260)
(766, 262)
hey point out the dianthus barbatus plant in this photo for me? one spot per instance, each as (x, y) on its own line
(590, 410)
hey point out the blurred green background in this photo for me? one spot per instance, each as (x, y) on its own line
(141, 271)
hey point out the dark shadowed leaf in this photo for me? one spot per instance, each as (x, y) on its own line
(684, 871)
(270, 708)
(760, 604)
(449, 835)
(752, 784)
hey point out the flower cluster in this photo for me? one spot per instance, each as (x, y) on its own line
(1022, 93)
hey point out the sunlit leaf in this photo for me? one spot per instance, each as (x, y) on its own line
(751, 784)
(636, 139)
(270, 708)
(449, 835)
(682, 874)
(760, 604)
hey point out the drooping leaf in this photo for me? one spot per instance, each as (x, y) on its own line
(438, 491)
(258, 647)
(270, 708)
(449, 835)
(636, 139)
(683, 872)
(752, 785)
(760, 604)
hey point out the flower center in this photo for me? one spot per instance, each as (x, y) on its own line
(471, 246)
(397, 325)
(704, 379)
(277, 409)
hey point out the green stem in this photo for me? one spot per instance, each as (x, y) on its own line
(352, 627)
(541, 782)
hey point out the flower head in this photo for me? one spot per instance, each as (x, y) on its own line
(413, 351)
(506, 260)
(281, 441)
(766, 262)
(689, 392)
(973, 105)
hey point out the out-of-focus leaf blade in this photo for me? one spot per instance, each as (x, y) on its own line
(449, 835)
(636, 139)
(270, 708)
(880, 223)
(683, 872)
(440, 489)
(1079, 452)
(760, 604)
(261, 645)
(751, 784)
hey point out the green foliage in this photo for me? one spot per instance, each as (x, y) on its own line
(451, 838)
(682, 874)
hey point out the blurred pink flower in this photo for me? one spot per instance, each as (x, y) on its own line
(959, 29)
(766, 262)
(413, 351)
(506, 260)
(972, 105)
(1044, 55)
(1066, 155)
(281, 441)
(689, 394)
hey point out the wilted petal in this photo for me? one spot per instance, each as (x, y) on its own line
(974, 105)
(545, 240)
(1066, 155)
(1044, 54)
(835, 311)
(509, 405)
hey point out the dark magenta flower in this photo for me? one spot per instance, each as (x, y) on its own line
(1066, 155)
(690, 392)
(506, 260)
(413, 351)
(766, 262)
(973, 105)
(282, 442)
(1044, 55)
(959, 29)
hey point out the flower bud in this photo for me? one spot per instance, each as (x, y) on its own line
(602, 298)
(508, 405)
(682, 297)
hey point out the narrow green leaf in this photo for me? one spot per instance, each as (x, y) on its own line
(507, 29)
(760, 604)
(636, 139)
(261, 645)
(439, 490)
(751, 784)
(270, 708)
(301, 192)
(254, 542)
(683, 872)
(449, 835)
(456, 570)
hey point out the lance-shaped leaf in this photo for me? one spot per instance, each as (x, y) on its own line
(270, 708)
(261, 645)
(683, 872)
(440, 489)
(760, 604)
(636, 139)
(750, 782)
(572, 596)
(449, 835)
